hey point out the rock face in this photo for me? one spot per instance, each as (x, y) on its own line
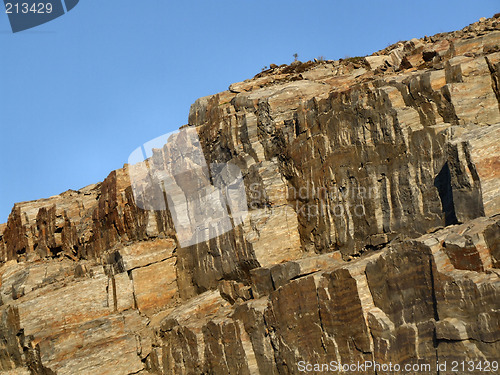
(372, 234)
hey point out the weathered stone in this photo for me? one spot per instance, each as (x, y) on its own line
(372, 231)
(155, 286)
(376, 61)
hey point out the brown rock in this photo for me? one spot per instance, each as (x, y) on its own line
(349, 167)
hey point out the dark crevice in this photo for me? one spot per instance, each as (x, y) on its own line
(433, 286)
(302, 275)
(435, 341)
(55, 251)
(318, 299)
(495, 79)
(115, 298)
(443, 184)
(359, 349)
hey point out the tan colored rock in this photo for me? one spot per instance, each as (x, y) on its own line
(376, 61)
(484, 153)
(471, 91)
(144, 253)
(367, 183)
(155, 286)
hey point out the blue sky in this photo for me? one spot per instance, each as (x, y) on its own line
(80, 93)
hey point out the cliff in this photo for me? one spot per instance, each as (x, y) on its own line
(372, 232)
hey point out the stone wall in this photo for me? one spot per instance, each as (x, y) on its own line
(372, 231)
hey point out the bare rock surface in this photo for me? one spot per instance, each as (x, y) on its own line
(372, 234)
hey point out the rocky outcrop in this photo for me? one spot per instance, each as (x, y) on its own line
(372, 233)
(408, 303)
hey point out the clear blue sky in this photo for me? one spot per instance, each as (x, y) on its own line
(80, 93)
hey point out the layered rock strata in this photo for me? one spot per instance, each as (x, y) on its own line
(372, 231)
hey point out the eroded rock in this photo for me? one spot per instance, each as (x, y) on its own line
(372, 231)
